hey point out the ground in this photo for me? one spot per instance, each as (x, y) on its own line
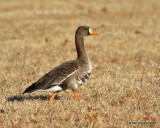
(124, 87)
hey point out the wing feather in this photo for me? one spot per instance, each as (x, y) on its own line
(55, 77)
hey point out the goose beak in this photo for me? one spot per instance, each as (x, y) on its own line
(91, 32)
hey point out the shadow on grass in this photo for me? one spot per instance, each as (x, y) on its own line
(22, 98)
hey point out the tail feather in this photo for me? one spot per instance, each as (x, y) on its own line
(31, 88)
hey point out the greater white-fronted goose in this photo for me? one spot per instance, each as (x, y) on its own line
(69, 75)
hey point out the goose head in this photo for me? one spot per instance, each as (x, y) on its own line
(85, 31)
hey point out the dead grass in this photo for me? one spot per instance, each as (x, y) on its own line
(124, 87)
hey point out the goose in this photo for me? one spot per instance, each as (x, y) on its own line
(70, 75)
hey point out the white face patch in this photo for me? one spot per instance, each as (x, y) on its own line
(90, 30)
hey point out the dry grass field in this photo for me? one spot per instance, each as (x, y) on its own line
(37, 35)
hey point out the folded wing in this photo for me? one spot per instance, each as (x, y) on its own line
(53, 78)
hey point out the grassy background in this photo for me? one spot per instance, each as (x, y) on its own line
(37, 35)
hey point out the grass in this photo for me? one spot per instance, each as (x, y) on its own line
(124, 86)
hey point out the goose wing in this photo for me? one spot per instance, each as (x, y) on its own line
(55, 77)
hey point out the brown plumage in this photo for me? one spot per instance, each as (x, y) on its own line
(69, 75)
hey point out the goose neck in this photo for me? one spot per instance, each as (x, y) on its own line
(79, 42)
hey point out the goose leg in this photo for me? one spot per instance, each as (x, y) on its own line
(52, 97)
(78, 97)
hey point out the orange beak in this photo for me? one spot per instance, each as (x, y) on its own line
(91, 32)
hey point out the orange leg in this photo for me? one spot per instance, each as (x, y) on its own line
(78, 97)
(52, 97)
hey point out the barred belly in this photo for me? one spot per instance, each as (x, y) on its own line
(82, 79)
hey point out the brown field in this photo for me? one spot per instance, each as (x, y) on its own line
(37, 35)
